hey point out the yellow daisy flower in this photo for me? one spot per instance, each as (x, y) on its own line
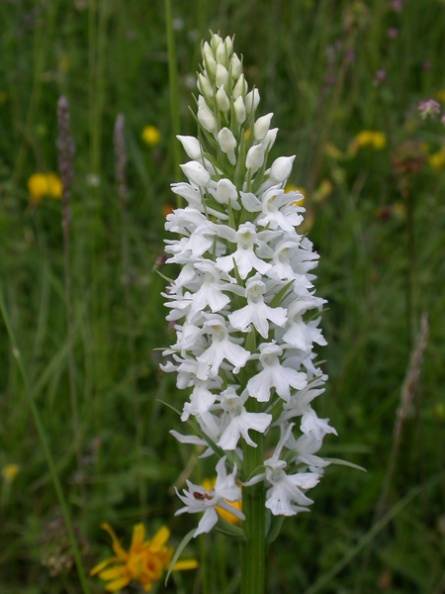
(44, 185)
(440, 95)
(145, 562)
(9, 472)
(369, 138)
(437, 160)
(151, 135)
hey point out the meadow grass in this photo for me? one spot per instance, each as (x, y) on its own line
(329, 70)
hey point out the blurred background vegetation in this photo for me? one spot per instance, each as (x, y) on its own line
(344, 79)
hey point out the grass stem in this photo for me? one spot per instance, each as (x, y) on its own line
(45, 447)
(174, 89)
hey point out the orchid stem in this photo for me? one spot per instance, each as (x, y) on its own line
(254, 550)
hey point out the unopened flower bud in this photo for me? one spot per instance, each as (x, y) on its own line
(226, 192)
(209, 60)
(235, 66)
(281, 169)
(261, 127)
(240, 89)
(221, 57)
(222, 99)
(228, 42)
(221, 75)
(269, 140)
(227, 142)
(251, 100)
(255, 158)
(216, 41)
(205, 86)
(240, 110)
(205, 115)
(191, 146)
(196, 173)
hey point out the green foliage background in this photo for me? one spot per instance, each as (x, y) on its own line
(380, 233)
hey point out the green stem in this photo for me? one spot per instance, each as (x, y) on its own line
(45, 448)
(174, 92)
(254, 498)
(411, 248)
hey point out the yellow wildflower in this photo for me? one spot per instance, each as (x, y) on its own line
(208, 484)
(151, 135)
(292, 188)
(368, 138)
(437, 160)
(44, 184)
(9, 472)
(64, 63)
(440, 95)
(439, 411)
(332, 151)
(399, 210)
(323, 191)
(144, 562)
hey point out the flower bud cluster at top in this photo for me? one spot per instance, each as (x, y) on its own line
(243, 305)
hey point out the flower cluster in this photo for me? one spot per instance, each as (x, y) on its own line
(243, 305)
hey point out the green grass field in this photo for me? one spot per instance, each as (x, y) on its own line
(82, 315)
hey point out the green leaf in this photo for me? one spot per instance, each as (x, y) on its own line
(250, 343)
(281, 294)
(184, 542)
(340, 462)
(225, 527)
(169, 406)
(276, 523)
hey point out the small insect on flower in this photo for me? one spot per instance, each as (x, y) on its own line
(201, 496)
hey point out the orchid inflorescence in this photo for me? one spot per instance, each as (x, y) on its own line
(243, 305)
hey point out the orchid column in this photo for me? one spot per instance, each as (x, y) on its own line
(245, 315)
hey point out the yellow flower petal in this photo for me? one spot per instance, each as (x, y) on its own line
(102, 565)
(161, 537)
(373, 139)
(138, 536)
(227, 515)
(117, 585)
(186, 564)
(54, 184)
(120, 552)
(208, 483)
(37, 186)
(113, 573)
